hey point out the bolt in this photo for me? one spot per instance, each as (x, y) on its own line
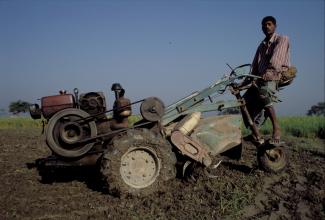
(71, 133)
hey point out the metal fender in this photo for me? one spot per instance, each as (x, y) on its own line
(218, 133)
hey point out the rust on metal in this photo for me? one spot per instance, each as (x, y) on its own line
(120, 123)
(122, 108)
(55, 103)
(152, 109)
(190, 148)
(93, 103)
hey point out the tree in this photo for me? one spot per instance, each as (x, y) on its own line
(318, 109)
(18, 107)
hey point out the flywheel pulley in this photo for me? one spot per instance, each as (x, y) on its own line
(152, 109)
(65, 129)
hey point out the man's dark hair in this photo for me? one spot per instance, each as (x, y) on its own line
(269, 18)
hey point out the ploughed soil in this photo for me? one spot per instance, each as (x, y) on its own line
(238, 189)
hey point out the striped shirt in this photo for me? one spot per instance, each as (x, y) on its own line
(272, 57)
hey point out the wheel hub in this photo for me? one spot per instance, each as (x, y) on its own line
(274, 154)
(139, 167)
(71, 132)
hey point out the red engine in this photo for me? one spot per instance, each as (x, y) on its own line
(93, 103)
(55, 103)
(65, 128)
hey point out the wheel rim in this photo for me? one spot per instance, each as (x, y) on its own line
(139, 167)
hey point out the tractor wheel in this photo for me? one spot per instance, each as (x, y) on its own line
(138, 163)
(272, 159)
(63, 130)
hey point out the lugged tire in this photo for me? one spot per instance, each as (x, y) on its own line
(272, 164)
(136, 141)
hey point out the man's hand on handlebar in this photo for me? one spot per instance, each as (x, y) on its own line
(244, 83)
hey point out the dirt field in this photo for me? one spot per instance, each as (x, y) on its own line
(240, 190)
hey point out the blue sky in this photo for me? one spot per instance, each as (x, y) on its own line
(167, 49)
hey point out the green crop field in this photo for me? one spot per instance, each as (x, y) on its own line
(297, 126)
(17, 122)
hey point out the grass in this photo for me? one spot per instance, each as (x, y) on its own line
(133, 119)
(233, 196)
(16, 122)
(19, 122)
(297, 126)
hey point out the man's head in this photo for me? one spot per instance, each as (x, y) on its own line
(268, 25)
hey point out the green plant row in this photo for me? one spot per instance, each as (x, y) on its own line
(297, 126)
(19, 122)
(16, 122)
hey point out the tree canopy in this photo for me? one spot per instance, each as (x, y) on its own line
(18, 107)
(318, 109)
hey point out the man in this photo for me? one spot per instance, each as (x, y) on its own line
(271, 59)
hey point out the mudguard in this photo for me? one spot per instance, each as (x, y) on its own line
(218, 133)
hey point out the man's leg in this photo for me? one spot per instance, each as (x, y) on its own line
(252, 107)
(267, 94)
(276, 128)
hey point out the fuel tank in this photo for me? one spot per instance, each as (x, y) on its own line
(55, 103)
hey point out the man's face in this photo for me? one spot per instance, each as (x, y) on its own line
(268, 28)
